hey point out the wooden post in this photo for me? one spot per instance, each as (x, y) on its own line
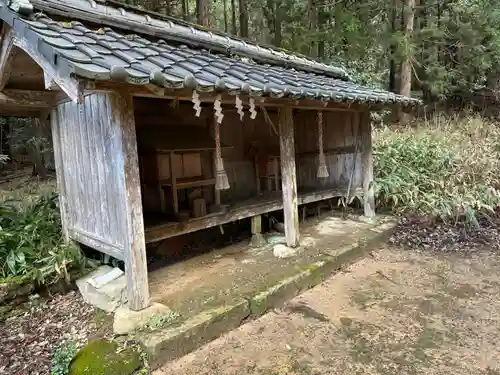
(288, 177)
(211, 125)
(257, 239)
(58, 161)
(173, 180)
(367, 165)
(135, 247)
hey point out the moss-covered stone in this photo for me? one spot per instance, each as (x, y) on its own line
(101, 357)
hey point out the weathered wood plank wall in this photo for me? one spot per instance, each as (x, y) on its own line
(341, 137)
(341, 130)
(93, 163)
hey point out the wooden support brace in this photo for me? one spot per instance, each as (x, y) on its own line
(288, 177)
(135, 247)
(367, 165)
(7, 55)
(70, 86)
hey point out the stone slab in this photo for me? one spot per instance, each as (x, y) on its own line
(173, 342)
(109, 296)
(126, 320)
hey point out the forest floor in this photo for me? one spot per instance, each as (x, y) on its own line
(398, 312)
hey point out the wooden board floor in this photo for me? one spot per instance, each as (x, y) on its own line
(256, 206)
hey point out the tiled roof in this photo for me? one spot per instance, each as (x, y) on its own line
(107, 54)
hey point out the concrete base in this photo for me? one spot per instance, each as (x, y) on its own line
(258, 240)
(249, 289)
(126, 320)
(108, 296)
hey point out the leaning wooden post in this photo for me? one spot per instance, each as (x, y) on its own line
(288, 177)
(135, 247)
(367, 164)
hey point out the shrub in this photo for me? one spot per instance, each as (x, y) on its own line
(62, 358)
(447, 169)
(31, 243)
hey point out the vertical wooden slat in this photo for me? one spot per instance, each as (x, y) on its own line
(367, 165)
(288, 176)
(70, 151)
(113, 188)
(98, 152)
(135, 246)
(58, 161)
(86, 127)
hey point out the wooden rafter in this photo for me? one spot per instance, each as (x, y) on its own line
(70, 86)
(26, 98)
(7, 55)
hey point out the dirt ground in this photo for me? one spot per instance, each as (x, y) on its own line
(397, 312)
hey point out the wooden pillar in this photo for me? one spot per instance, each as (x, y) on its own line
(288, 177)
(257, 239)
(135, 247)
(58, 161)
(367, 165)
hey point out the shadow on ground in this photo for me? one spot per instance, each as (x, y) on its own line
(397, 312)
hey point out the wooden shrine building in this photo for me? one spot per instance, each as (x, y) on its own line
(161, 128)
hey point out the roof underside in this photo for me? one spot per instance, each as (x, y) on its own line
(102, 53)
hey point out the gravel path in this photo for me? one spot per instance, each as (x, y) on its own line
(396, 312)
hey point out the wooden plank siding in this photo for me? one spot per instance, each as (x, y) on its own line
(91, 151)
(101, 200)
(342, 136)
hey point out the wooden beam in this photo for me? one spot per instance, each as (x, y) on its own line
(148, 91)
(288, 177)
(70, 86)
(50, 83)
(27, 98)
(367, 165)
(135, 247)
(7, 55)
(242, 210)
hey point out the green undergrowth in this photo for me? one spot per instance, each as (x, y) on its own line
(447, 169)
(32, 248)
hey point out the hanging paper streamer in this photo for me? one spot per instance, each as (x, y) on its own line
(322, 169)
(253, 112)
(239, 107)
(218, 109)
(196, 101)
(221, 181)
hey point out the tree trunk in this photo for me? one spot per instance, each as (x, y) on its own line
(323, 16)
(243, 18)
(392, 57)
(185, 10)
(313, 27)
(233, 17)
(278, 20)
(202, 13)
(225, 16)
(406, 65)
(39, 168)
